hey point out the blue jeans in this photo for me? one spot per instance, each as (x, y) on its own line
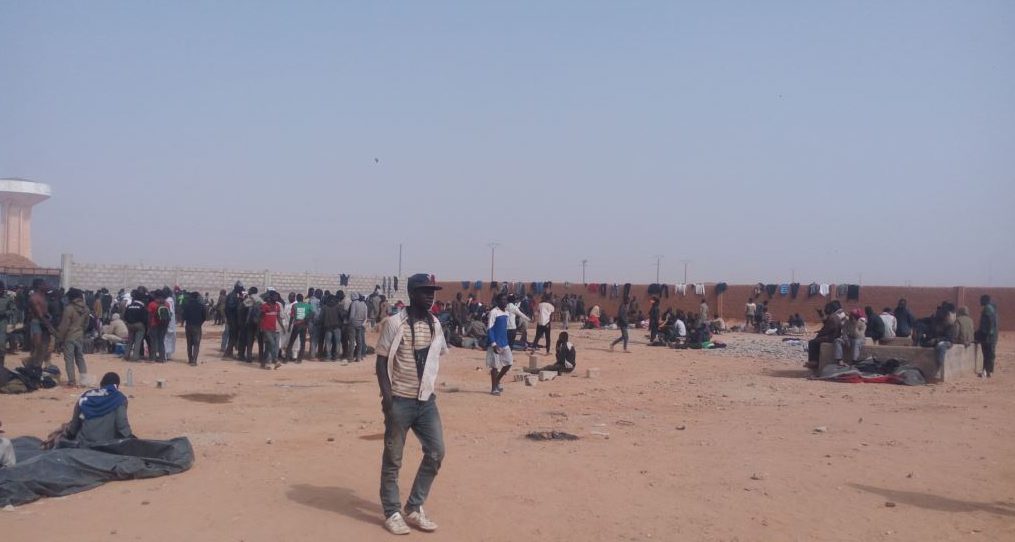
(361, 342)
(425, 421)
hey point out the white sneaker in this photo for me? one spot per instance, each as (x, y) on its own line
(396, 524)
(420, 521)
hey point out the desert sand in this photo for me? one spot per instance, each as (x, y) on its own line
(675, 445)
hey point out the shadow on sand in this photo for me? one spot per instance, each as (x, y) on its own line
(336, 499)
(934, 502)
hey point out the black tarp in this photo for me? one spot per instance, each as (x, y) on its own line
(63, 471)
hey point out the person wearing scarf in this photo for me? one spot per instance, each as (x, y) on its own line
(100, 415)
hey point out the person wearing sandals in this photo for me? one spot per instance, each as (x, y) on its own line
(498, 352)
(409, 349)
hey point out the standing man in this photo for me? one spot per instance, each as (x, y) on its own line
(565, 310)
(194, 315)
(135, 315)
(39, 324)
(498, 350)
(703, 312)
(71, 333)
(408, 357)
(298, 316)
(516, 320)
(269, 325)
(653, 318)
(543, 313)
(749, 312)
(358, 311)
(7, 311)
(622, 312)
(232, 308)
(987, 335)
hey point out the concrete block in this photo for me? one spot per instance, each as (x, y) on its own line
(547, 375)
(530, 380)
(520, 377)
(592, 373)
(533, 362)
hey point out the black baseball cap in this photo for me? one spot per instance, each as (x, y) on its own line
(422, 281)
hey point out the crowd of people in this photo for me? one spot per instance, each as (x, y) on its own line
(849, 330)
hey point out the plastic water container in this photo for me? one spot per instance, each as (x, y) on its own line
(130, 377)
(119, 349)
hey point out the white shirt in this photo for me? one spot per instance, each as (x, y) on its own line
(514, 313)
(545, 310)
(681, 328)
(891, 324)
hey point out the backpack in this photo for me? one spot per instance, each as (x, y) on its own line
(163, 316)
(254, 315)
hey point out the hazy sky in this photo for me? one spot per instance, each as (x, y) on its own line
(752, 138)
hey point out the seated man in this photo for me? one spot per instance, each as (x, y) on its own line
(100, 415)
(718, 325)
(7, 458)
(566, 355)
(477, 331)
(832, 317)
(116, 331)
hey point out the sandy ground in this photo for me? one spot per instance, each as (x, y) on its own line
(746, 465)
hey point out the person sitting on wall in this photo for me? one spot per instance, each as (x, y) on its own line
(831, 328)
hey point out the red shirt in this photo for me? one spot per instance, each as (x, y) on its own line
(269, 316)
(153, 313)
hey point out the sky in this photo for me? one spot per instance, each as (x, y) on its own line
(869, 142)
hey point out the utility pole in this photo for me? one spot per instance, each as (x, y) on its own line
(585, 264)
(686, 263)
(659, 260)
(493, 252)
(399, 259)
(793, 275)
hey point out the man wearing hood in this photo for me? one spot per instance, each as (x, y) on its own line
(987, 334)
(904, 320)
(331, 327)
(71, 332)
(358, 320)
(232, 308)
(100, 415)
(854, 331)
(250, 313)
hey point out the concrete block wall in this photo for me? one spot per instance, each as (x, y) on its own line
(114, 277)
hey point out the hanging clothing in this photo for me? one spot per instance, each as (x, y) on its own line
(627, 290)
(824, 290)
(394, 282)
(794, 289)
(653, 289)
(465, 285)
(783, 289)
(853, 292)
(770, 289)
(591, 287)
(493, 285)
(343, 280)
(812, 290)
(758, 288)
(615, 291)
(720, 288)
(602, 290)
(840, 290)
(680, 288)
(699, 288)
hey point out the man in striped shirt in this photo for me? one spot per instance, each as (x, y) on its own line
(408, 357)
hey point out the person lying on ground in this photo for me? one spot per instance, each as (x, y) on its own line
(100, 415)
